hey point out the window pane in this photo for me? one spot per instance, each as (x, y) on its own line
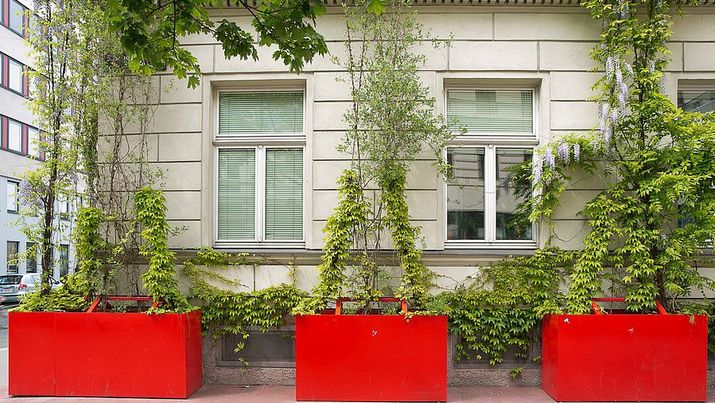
(31, 258)
(496, 111)
(12, 249)
(284, 194)
(236, 194)
(254, 113)
(17, 23)
(14, 137)
(507, 227)
(697, 100)
(12, 196)
(465, 198)
(32, 146)
(64, 260)
(15, 75)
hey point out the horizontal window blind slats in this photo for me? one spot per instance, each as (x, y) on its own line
(255, 113)
(284, 194)
(483, 111)
(236, 195)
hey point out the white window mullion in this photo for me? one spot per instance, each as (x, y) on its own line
(490, 187)
(260, 192)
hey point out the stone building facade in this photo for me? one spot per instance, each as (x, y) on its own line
(529, 61)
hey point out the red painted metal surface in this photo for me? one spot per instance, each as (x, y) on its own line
(104, 354)
(371, 358)
(624, 357)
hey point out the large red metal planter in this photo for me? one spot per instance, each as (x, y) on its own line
(625, 357)
(371, 357)
(104, 354)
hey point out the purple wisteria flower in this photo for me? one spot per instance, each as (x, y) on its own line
(564, 152)
(549, 158)
(576, 152)
(610, 66)
(537, 167)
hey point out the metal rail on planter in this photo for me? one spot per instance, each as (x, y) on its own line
(339, 303)
(599, 311)
(97, 301)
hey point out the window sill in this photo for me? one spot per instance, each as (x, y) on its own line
(483, 245)
(259, 245)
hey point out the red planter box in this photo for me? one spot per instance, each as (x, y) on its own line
(371, 358)
(104, 354)
(625, 357)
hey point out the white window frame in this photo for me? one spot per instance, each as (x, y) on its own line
(490, 142)
(259, 143)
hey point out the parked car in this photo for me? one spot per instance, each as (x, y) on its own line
(14, 286)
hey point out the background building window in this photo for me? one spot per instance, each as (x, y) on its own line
(13, 247)
(14, 136)
(12, 197)
(16, 76)
(33, 137)
(64, 260)
(16, 17)
(500, 134)
(30, 258)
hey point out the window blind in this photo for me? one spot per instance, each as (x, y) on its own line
(490, 111)
(284, 194)
(260, 113)
(236, 194)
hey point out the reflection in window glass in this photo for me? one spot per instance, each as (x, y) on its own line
(64, 260)
(13, 248)
(14, 137)
(507, 227)
(15, 76)
(12, 199)
(465, 197)
(17, 18)
(697, 100)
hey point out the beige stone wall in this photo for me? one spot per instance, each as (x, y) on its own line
(546, 47)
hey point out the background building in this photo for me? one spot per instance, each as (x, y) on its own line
(18, 148)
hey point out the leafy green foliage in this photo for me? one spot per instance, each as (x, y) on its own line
(90, 245)
(70, 297)
(657, 208)
(228, 312)
(150, 32)
(351, 211)
(159, 281)
(502, 308)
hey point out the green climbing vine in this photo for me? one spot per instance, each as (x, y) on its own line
(159, 281)
(501, 308)
(228, 312)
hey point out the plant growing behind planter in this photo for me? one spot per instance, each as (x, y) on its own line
(648, 225)
(58, 350)
(392, 120)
